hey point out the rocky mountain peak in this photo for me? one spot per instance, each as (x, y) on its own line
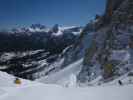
(55, 28)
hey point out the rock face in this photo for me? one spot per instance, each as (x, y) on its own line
(110, 52)
(112, 5)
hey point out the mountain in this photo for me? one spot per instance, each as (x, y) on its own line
(32, 28)
(32, 50)
(99, 53)
(71, 63)
(105, 45)
(110, 52)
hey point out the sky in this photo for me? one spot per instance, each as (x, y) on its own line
(18, 13)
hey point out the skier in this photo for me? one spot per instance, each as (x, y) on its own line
(17, 81)
(120, 82)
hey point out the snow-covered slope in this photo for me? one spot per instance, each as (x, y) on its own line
(65, 77)
(56, 30)
(38, 91)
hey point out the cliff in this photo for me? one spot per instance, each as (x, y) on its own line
(110, 54)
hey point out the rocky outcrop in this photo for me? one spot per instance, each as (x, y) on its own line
(112, 5)
(109, 54)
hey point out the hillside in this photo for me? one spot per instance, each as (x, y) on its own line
(33, 90)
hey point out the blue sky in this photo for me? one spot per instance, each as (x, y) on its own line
(15, 13)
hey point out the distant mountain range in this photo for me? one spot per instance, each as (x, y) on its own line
(24, 51)
(38, 36)
(42, 28)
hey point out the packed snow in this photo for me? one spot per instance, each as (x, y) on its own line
(29, 90)
(65, 77)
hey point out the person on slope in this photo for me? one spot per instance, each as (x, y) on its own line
(17, 81)
(120, 82)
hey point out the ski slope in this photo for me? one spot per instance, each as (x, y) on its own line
(67, 76)
(53, 92)
(29, 90)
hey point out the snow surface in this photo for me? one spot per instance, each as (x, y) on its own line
(66, 27)
(38, 29)
(7, 56)
(36, 91)
(62, 29)
(65, 77)
(58, 33)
